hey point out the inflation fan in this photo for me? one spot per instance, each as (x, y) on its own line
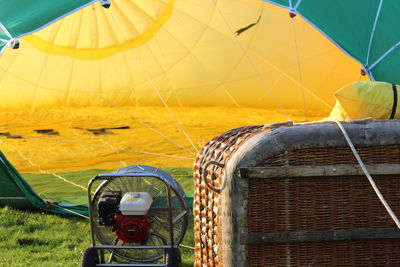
(138, 216)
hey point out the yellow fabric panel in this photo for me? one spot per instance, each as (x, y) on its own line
(364, 99)
(338, 113)
(185, 49)
(78, 149)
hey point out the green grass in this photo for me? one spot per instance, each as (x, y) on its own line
(29, 238)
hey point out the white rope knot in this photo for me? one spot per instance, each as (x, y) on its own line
(364, 70)
(13, 43)
(292, 12)
(105, 3)
(293, 9)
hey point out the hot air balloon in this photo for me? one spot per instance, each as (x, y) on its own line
(150, 82)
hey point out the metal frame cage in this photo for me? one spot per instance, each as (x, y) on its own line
(177, 223)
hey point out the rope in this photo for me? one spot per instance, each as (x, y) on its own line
(261, 77)
(98, 146)
(378, 12)
(50, 173)
(117, 151)
(390, 50)
(5, 31)
(273, 66)
(61, 141)
(370, 179)
(93, 92)
(155, 88)
(299, 70)
(184, 246)
(110, 146)
(71, 211)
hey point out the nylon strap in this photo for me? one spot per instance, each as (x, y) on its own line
(394, 102)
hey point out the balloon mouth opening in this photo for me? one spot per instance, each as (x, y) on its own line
(107, 48)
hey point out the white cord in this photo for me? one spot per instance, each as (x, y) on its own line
(184, 246)
(5, 30)
(250, 61)
(120, 109)
(111, 148)
(300, 71)
(156, 89)
(370, 179)
(71, 211)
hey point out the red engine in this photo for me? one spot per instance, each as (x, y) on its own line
(134, 229)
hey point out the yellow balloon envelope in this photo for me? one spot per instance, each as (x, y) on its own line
(171, 73)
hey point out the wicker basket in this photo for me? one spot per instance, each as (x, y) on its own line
(294, 195)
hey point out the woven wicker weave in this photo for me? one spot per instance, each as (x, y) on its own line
(206, 204)
(230, 207)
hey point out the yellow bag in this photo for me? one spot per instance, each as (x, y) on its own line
(360, 100)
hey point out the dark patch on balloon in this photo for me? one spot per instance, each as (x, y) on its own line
(103, 131)
(9, 135)
(47, 131)
(240, 31)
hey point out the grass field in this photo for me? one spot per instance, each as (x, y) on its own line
(29, 238)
